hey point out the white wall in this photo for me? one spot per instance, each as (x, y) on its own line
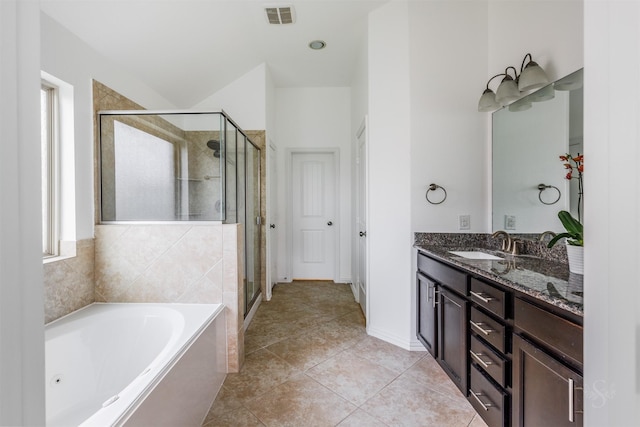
(244, 100)
(22, 399)
(390, 234)
(611, 220)
(552, 31)
(315, 118)
(448, 135)
(68, 58)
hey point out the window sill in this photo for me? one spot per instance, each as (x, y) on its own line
(67, 251)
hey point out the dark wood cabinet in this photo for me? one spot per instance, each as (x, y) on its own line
(427, 322)
(452, 337)
(518, 360)
(546, 392)
(442, 317)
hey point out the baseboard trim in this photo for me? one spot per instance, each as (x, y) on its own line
(391, 339)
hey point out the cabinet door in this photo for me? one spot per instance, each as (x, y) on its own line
(545, 391)
(427, 320)
(453, 351)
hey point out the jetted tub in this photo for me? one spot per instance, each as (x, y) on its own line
(134, 364)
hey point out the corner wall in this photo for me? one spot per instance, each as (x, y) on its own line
(390, 233)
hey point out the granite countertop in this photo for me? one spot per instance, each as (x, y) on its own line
(541, 278)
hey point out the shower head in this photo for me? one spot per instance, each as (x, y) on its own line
(214, 144)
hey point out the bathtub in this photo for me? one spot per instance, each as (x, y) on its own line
(134, 364)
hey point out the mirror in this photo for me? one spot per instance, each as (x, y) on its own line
(529, 178)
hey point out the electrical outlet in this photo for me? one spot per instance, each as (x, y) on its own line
(509, 222)
(464, 222)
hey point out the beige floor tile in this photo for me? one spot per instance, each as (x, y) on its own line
(241, 417)
(428, 372)
(300, 402)
(306, 351)
(407, 402)
(354, 378)
(310, 363)
(225, 402)
(361, 419)
(477, 422)
(385, 354)
(261, 372)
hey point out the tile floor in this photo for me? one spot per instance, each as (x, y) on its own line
(309, 362)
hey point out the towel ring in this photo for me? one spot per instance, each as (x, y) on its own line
(543, 187)
(434, 187)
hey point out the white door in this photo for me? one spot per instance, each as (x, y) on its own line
(272, 232)
(313, 205)
(361, 218)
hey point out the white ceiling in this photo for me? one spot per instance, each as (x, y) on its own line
(186, 50)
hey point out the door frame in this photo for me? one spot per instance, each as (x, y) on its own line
(290, 152)
(272, 217)
(363, 130)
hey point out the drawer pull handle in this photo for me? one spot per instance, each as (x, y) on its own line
(434, 298)
(482, 297)
(479, 325)
(476, 356)
(572, 410)
(485, 406)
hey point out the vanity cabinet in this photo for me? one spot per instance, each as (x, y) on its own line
(443, 313)
(547, 368)
(518, 360)
(427, 313)
(489, 353)
(452, 336)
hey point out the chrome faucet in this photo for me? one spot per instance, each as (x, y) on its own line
(506, 241)
(547, 233)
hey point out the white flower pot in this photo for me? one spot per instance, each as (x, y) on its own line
(576, 259)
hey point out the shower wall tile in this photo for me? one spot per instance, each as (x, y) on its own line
(174, 263)
(68, 284)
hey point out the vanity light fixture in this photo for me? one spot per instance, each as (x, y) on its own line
(532, 76)
(508, 89)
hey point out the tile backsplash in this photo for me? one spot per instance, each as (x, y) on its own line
(69, 283)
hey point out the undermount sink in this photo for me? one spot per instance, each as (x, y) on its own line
(475, 255)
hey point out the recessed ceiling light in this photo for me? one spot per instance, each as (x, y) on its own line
(317, 45)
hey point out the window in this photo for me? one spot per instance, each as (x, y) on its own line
(58, 169)
(49, 148)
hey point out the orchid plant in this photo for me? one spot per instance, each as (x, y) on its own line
(575, 169)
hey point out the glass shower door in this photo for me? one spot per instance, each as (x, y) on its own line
(253, 226)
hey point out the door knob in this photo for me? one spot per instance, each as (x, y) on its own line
(272, 226)
(363, 234)
(330, 223)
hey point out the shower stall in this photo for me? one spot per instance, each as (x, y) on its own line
(175, 166)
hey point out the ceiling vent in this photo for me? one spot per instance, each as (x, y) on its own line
(280, 15)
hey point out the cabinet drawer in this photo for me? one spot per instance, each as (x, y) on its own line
(444, 274)
(489, 297)
(491, 362)
(549, 329)
(489, 329)
(487, 399)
